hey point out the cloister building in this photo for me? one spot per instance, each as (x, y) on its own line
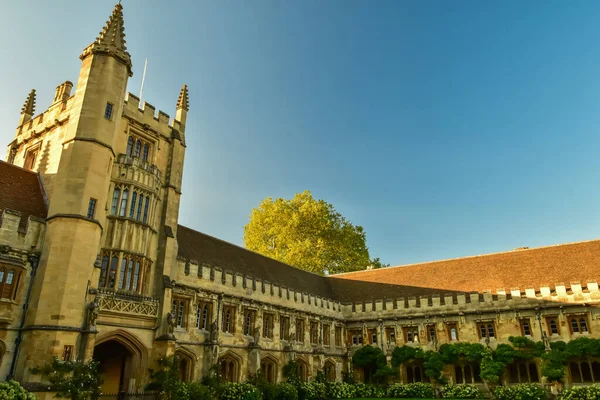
(94, 263)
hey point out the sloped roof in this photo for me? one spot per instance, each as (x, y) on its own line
(523, 269)
(22, 190)
(194, 245)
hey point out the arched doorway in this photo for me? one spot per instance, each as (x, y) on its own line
(229, 367)
(302, 369)
(329, 370)
(115, 365)
(268, 368)
(185, 364)
(122, 362)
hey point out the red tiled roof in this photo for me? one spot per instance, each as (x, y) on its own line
(203, 248)
(22, 190)
(530, 268)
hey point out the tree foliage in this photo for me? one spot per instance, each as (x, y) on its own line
(373, 363)
(309, 234)
(76, 380)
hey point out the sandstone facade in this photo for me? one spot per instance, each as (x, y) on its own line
(94, 263)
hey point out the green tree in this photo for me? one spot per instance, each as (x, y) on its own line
(373, 363)
(76, 380)
(308, 234)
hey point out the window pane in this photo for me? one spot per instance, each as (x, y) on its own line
(453, 335)
(114, 263)
(205, 317)
(146, 209)
(583, 325)
(491, 330)
(9, 277)
(108, 111)
(136, 276)
(129, 274)
(103, 272)
(123, 207)
(139, 208)
(138, 148)
(553, 327)
(129, 146)
(574, 325)
(91, 208)
(483, 331)
(145, 153)
(180, 315)
(132, 207)
(122, 273)
(115, 201)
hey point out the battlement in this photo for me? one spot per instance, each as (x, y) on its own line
(54, 116)
(208, 277)
(147, 116)
(21, 232)
(544, 296)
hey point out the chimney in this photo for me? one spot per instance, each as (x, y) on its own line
(63, 92)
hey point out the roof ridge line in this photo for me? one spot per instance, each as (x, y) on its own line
(21, 168)
(518, 250)
(250, 251)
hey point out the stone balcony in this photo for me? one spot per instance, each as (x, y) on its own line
(126, 305)
(136, 170)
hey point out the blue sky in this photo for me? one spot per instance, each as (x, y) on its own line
(444, 128)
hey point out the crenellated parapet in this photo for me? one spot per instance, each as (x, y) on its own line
(145, 117)
(543, 297)
(214, 279)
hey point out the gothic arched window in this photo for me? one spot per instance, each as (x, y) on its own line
(138, 148)
(129, 146)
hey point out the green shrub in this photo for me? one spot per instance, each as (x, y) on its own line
(11, 390)
(462, 392)
(368, 391)
(341, 390)
(286, 391)
(411, 390)
(239, 391)
(581, 393)
(197, 391)
(526, 391)
(312, 391)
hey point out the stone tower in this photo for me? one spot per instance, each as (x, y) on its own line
(56, 319)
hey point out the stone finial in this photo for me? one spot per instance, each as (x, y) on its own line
(184, 99)
(29, 106)
(111, 40)
(113, 33)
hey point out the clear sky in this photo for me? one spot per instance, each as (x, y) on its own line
(445, 128)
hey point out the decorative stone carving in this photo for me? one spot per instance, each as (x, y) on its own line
(138, 306)
(93, 312)
(257, 336)
(170, 323)
(214, 332)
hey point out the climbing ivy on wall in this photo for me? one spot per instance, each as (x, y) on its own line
(493, 363)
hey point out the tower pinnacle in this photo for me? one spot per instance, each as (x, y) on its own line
(111, 40)
(29, 106)
(184, 99)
